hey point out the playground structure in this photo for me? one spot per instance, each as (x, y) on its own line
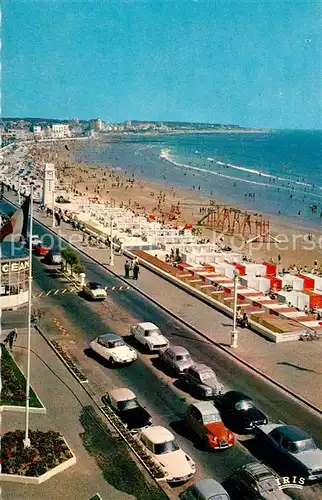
(228, 220)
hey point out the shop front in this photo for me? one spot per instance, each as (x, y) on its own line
(14, 276)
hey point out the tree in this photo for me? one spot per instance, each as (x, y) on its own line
(78, 268)
(70, 257)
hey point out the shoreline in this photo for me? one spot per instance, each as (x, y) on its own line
(116, 185)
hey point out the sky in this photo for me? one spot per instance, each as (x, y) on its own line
(252, 63)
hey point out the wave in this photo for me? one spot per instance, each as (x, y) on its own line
(165, 154)
(263, 174)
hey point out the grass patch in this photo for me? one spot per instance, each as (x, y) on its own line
(14, 384)
(113, 458)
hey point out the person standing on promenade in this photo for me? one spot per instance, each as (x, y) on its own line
(11, 337)
(127, 268)
(136, 270)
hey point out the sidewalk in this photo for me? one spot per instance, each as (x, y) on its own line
(296, 365)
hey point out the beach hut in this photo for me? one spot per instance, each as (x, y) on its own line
(270, 268)
(308, 283)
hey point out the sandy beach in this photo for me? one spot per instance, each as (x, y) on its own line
(171, 204)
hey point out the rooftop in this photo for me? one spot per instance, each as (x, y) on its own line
(293, 433)
(109, 337)
(122, 394)
(158, 434)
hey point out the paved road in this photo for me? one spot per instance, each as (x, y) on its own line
(149, 381)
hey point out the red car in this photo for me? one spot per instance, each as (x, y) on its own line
(40, 250)
(204, 419)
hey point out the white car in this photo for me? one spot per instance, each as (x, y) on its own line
(177, 466)
(113, 348)
(95, 291)
(35, 240)
(149, 336)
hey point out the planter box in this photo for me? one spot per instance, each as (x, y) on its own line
(19, 408)
(15, 478)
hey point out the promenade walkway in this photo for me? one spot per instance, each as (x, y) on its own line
(296, 365)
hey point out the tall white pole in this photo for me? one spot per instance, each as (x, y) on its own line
(19, 197)
(234, 332)
(0, 356)
(26, 441)
(53, 204)
(111, 247)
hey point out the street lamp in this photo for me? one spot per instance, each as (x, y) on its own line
(234, 332)
(19, 197)
(53, 204)
(111, 242)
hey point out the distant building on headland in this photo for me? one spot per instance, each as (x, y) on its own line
(128, 125)
(97, 125)
(59, 131)
(38, 132)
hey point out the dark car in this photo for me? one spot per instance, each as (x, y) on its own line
(292, 449)
(255, 481)
(53, 257)
(202, 381)
(40, 250)
(126, 406)
(239, 412)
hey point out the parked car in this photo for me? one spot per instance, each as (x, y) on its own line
(40, 250)
(205, 489)
(125, 404)
(205, 421)
(35, 240)
(53, 257)
(202, 381)
(113, 348)
(255, 481)
(149, 336)
(239, 412)
(178, 358)
(95, 291)
(160, 443)
(291, 447)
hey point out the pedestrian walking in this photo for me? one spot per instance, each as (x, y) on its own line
(136, 270)
(127, 268)
(11, 337)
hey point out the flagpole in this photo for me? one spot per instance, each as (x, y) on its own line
(26, 441)
(0, 356)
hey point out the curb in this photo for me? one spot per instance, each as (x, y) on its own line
(191, 327)
(72, 371)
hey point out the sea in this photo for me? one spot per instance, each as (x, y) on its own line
(276, 173)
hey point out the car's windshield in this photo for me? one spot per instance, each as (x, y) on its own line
(182, 357)
(305, 445)
(149, 333)
(95, 286)
(161, 448)
(207, 376)
(213, 417)
(269, 484)
(116, 343)
(244, 405)
(128, 405)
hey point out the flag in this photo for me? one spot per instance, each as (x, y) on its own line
(15, 229)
